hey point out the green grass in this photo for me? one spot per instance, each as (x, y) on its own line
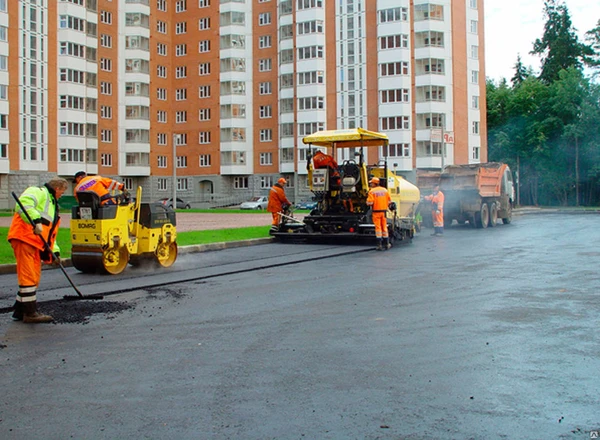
(183, 239)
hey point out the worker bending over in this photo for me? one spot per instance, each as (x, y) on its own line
(103, 186)
(437, 211)
(278, 202)
(379, 200)
(27, 241)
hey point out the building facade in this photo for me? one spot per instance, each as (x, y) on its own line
(215, 96)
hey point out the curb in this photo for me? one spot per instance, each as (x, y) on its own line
(12, 268)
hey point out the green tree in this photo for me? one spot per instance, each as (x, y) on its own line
(559, 47)
(521, 73)
(593, 38)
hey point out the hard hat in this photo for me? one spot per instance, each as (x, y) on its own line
(374, 180)
(282, 181)
(79, 174)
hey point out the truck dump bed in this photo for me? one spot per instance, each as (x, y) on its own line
(485, 178)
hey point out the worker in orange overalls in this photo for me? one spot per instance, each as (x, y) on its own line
(27, 241)
(103, 186)
(437, 211)
(278, 202)
(379, 199)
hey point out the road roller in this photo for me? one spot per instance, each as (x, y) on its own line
(106, 238)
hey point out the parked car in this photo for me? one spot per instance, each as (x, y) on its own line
(306, 204)
(181, 204)
(259, 203)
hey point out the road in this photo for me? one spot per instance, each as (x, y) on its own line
(477, 334)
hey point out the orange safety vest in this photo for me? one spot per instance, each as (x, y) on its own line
(103, 186)
(42, 207)
(379, 198)
(277, 199)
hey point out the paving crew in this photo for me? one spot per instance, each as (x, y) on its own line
(105, 187)
(27, 241)
(379, 200)
(437, 211)
(278, 203)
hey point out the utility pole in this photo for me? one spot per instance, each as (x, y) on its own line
(576, 172)
(175, 139)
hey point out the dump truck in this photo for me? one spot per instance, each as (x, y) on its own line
(341, 190)
(477, 193)
(106, 238)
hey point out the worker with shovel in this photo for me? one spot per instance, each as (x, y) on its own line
(31, 244)
(278, 202)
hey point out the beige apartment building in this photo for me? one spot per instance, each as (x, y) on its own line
(215, 96)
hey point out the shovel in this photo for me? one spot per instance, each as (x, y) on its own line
(57, 259)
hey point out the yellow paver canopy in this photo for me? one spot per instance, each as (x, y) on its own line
(349, 138)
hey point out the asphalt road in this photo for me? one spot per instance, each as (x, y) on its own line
(478, 334)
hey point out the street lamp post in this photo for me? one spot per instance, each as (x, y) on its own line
(175, 139)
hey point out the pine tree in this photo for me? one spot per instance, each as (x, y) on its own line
(521, 72)
(593, 38)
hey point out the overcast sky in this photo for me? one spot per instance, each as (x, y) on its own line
(511, 27)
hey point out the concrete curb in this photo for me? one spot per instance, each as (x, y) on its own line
(12, 268)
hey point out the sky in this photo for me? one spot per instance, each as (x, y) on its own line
(511, 27)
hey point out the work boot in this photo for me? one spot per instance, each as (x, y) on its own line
(32, 316)
(379, 245)
(273, 229)
(386, 244)
(18, 312)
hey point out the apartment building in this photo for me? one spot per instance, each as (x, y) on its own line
(215, 96)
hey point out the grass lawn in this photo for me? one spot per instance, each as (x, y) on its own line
(183, 239)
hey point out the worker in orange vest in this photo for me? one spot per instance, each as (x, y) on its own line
(437, 211)
(379, 200)
(103, 186)
(278, 203)
(27, 241)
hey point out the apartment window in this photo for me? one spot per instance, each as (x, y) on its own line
(181, 28)
(105, 17)
(161, 94)
(475, 129)
(429, 11)
(311, 103)
(204, 160)
(161, 161)
(286, 80)
(106, 160)
(161, 5)
(431, 93)
(181, 50)
(203, 91)
(204, 114)
(266, 135)
(105, 88)
(106, 136)
(106, 64)
(203, 3)
(182, 184)
(181, 117)
(264, 18)
(310, 27)
(395, 95)
(240, 183)
(204, 137)
(161, 116)
(3, 5)
(475, 76)
(264, 41)
(162, 184)
(265, 88)
(266, 158)
(393, 41)
(180, 6)
(204, 46)
(309, 4)
(394, 69)
(180, 72)
(161, 139)
(314, 77)
(473, 4)
(473, 26)
(204, 69)
(396, 150)
(265, 111)
(105, 112)
(286, 105)
(394, 123)
(105, 40)
(307, 128)
(474, 51)
(475, 154)
(266, 182)
(427, 66)
(181, 163)
(180, 94)
(3, 151)
(265, 65)
(3, 92)
(286, 31)
(393, 14)
(310, 52)
(204, 24)
(161, 27)
(475, 101)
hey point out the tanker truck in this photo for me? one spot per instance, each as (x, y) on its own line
(477, 193)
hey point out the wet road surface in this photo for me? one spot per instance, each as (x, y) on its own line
(477, 334)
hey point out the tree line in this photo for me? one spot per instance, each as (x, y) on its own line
(547, 126)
